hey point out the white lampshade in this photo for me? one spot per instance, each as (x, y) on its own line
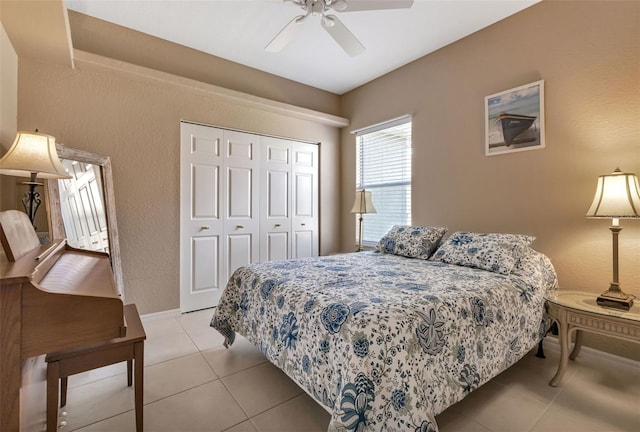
(30, 153)
(617, 196)
(363, 203)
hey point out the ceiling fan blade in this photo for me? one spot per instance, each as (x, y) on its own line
(360, 5)
(285, 35)
(342, 35)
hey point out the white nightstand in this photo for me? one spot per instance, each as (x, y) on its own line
(577, 311)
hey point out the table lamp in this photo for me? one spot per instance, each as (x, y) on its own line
(617, 196)
(33, 155)
(363, 204)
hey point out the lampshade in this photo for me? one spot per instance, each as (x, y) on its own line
(617, 196)
(33, 152)
(363, 202)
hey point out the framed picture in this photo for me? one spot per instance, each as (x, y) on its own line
(514, 119)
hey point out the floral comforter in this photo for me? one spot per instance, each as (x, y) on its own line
(387, 342)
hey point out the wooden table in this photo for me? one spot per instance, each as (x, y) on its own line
(577, 311)
(129, 348)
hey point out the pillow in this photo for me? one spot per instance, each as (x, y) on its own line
(494, 252)
(537, 268)
(411, 241)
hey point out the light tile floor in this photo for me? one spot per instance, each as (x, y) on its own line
(193, 383)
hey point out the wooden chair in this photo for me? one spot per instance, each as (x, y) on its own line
(62, 364)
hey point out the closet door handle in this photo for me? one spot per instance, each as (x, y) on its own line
(278, 225)
(303, 224)
(204, 228)
(239, 226)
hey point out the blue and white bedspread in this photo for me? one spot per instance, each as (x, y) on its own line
(387, 342)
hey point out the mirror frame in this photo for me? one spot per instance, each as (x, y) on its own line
(56, 225)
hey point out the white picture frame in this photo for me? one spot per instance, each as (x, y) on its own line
(514, 119)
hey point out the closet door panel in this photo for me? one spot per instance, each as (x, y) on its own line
(240, 193)
(275, 199)
(277, 194)
(206, 262)
(240, 251)
(241, 221)
(305, 200)
(303, 244)
(205, 191)
(277, 246)
(202, 193)
(304, 195)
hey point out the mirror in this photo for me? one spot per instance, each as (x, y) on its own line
(82, 209)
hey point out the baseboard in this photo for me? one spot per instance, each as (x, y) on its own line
(553, 343)
(171, 313)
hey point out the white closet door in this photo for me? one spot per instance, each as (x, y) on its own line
(243, 199)
(242, 204)
(202, 191)
(275, 199)
(305, 200)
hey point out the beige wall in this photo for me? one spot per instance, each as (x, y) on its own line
(8, 113)
(588, 53)
(136, 121)
(110, 40)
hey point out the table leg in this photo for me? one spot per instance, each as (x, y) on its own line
(577, 345)
(63, 391)
(563, 335)
(139, 383)
(53, 376)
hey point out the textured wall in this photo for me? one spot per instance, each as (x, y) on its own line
(588, 53)
(101, 37)
(8, 112)
(136, 121)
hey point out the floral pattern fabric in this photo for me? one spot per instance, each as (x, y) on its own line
(411, 241)
(495, 252)
(385, 342)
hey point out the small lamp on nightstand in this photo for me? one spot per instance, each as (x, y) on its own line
(617, 196)
(363, 204)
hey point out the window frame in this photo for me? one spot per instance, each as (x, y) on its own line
(359, 175)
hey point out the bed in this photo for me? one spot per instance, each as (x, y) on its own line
(388, 339)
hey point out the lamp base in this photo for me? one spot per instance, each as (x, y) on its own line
(616, 299)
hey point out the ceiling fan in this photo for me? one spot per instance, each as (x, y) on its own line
(336, 29)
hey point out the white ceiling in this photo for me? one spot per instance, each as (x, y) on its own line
(238, 30)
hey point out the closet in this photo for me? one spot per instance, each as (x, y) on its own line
(244, 198)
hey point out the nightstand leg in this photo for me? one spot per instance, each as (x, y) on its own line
(577, 345)
(564, 348)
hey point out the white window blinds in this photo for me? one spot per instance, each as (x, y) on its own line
(383, 167)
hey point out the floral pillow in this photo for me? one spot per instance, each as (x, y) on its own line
(494, 252)
(411, 241)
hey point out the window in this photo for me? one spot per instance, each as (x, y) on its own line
(383, 167)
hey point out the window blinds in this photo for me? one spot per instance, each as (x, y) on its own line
(383, 167)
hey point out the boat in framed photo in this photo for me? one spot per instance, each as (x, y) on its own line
(513, 126)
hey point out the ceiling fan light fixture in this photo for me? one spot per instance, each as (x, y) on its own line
(338, 5)
(328, 21)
